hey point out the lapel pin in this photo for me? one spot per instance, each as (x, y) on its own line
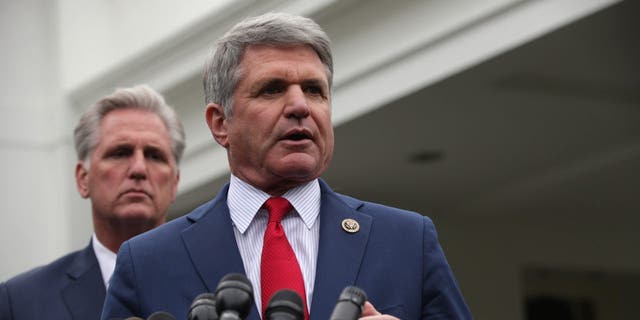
(350, 225)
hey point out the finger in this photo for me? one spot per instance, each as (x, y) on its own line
(369, 310)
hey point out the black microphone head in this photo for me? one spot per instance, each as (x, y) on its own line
(161, 315)
(235, 295)
(350, 304)
(203, 307)
(354, 295)
(285, 304)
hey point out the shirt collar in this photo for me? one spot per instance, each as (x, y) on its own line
(106, 259)
(245, 201)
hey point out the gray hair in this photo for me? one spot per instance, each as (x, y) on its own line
(222, 71)
(86, 134)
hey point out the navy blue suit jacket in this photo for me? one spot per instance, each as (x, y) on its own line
(395, 258)
(68, 288)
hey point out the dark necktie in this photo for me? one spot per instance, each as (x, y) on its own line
(279, 268)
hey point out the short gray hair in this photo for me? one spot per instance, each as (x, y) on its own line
(86, 134)
(222, 70)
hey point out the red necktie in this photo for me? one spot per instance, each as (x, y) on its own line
(279, 268)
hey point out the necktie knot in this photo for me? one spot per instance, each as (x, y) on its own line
(278, 207)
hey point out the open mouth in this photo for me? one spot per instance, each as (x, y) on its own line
(298, 135)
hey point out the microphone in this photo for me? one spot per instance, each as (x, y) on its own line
(285, 304)
(234, 297)
(161, 315)
(349, 305)
(203, 307)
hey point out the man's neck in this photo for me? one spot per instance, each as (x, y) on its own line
(112, 235)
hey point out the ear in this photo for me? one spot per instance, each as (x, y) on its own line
(217, 123)
(82, 180)
(175, 187)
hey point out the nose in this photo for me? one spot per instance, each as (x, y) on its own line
(296, 105)
(138, 166)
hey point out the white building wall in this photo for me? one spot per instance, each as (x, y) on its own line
(35, 223)
(97, 35)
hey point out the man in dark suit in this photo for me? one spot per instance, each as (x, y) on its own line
(128, 145)
(268, 89)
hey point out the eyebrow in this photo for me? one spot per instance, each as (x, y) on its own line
(282, 81)
(270, 81)
(127, 145)
(118, 146)
(315, 82)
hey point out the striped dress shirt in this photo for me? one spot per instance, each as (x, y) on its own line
(302, 228)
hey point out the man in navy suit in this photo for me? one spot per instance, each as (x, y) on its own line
(268, 89)
(128, 145)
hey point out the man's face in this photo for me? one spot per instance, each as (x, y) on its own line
(132, 175)
(280, 133)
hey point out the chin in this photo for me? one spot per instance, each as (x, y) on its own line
(299, 166)
(299, 174)
(137, 214)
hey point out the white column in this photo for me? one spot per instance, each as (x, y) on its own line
(34, 140)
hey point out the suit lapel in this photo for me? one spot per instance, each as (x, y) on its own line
(84, 295)
(339, 253)
(212, 245)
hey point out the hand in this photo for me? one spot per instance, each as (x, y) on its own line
(370, 313)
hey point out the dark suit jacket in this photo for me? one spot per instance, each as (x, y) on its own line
(395, 258)
(68, 288)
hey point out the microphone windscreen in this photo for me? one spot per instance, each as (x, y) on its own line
(285, 304)
(234, 294)
(203, 307)
(350, 303)
(161, 315)
(235, 280)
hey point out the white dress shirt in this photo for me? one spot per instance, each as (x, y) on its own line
(106, 259)
(302, 229)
